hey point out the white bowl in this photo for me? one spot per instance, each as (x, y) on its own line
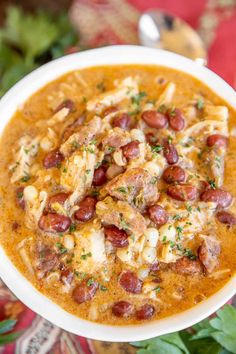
(14, 279)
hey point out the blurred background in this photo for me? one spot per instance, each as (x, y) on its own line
(34, 32)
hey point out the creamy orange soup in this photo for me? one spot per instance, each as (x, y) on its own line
(117, 192)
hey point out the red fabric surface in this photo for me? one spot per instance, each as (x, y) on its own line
(108, 22)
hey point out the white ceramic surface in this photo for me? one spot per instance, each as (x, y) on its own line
(10, 275)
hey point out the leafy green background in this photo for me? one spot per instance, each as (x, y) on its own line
(211, 336)
(30, 40)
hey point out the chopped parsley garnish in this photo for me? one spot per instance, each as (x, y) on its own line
(189, 253)
(87, 172)
(80, 275)
(212, 183)
(110, 149)
(122, 190)
(102, 287)
(94, 193)
(179, 229)
(157, 289)
(189, 208)
(162, 108)
(154, 180)
(172, 112)
(20, 195)
(61, 248)
(85, 256)
(172, 244)
(90, 281)
(137, 98)
(72, 228)
(25, 179)
(123, 223)
(156, 148)
(200, 103)
(64, 170)
(164, 239)
(176, 217)
(75, 145)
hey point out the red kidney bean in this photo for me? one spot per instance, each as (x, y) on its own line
(122, 309)
(84, 291)
(151, 138)
(86, 209)
(56, 198)
(99, 176)
(117, 237)
(222, 198)
(109, 110)
(20, 197)
(158, 215)
(217, 140)
(54, 223)
(174, 174)
(176, 119)
(182, 192)
(130, 282)
(66, 104)
(226, 218)
(145, 312)
(154, 119)
(131, 150)
(53, 159)
(170, 152)
(122, 121)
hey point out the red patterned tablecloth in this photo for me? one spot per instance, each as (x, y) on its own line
(102, 22)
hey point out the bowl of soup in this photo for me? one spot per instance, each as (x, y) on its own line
(117, 192)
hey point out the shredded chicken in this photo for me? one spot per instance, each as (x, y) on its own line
(126, 89)
(115, 138)
(89, 252)
(82, 137)
(136, 186)
(58, 117)
(34, 206)
(24, 158)
(122, 215)
(78, 173)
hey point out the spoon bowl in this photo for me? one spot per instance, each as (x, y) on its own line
(162, 30)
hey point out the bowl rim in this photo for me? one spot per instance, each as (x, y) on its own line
(17, 283)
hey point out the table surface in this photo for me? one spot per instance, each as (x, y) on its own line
(216, 22)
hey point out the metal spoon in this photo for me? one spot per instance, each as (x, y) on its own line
(159, 29)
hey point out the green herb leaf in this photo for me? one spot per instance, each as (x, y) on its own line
(25, 179)
(33, 34)
(7, 326)
(61, 248)
(200, 103)
(137, 98)
(9, 338)
(85, 256)
(122, 190)
(72, 228)
(225, 326)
